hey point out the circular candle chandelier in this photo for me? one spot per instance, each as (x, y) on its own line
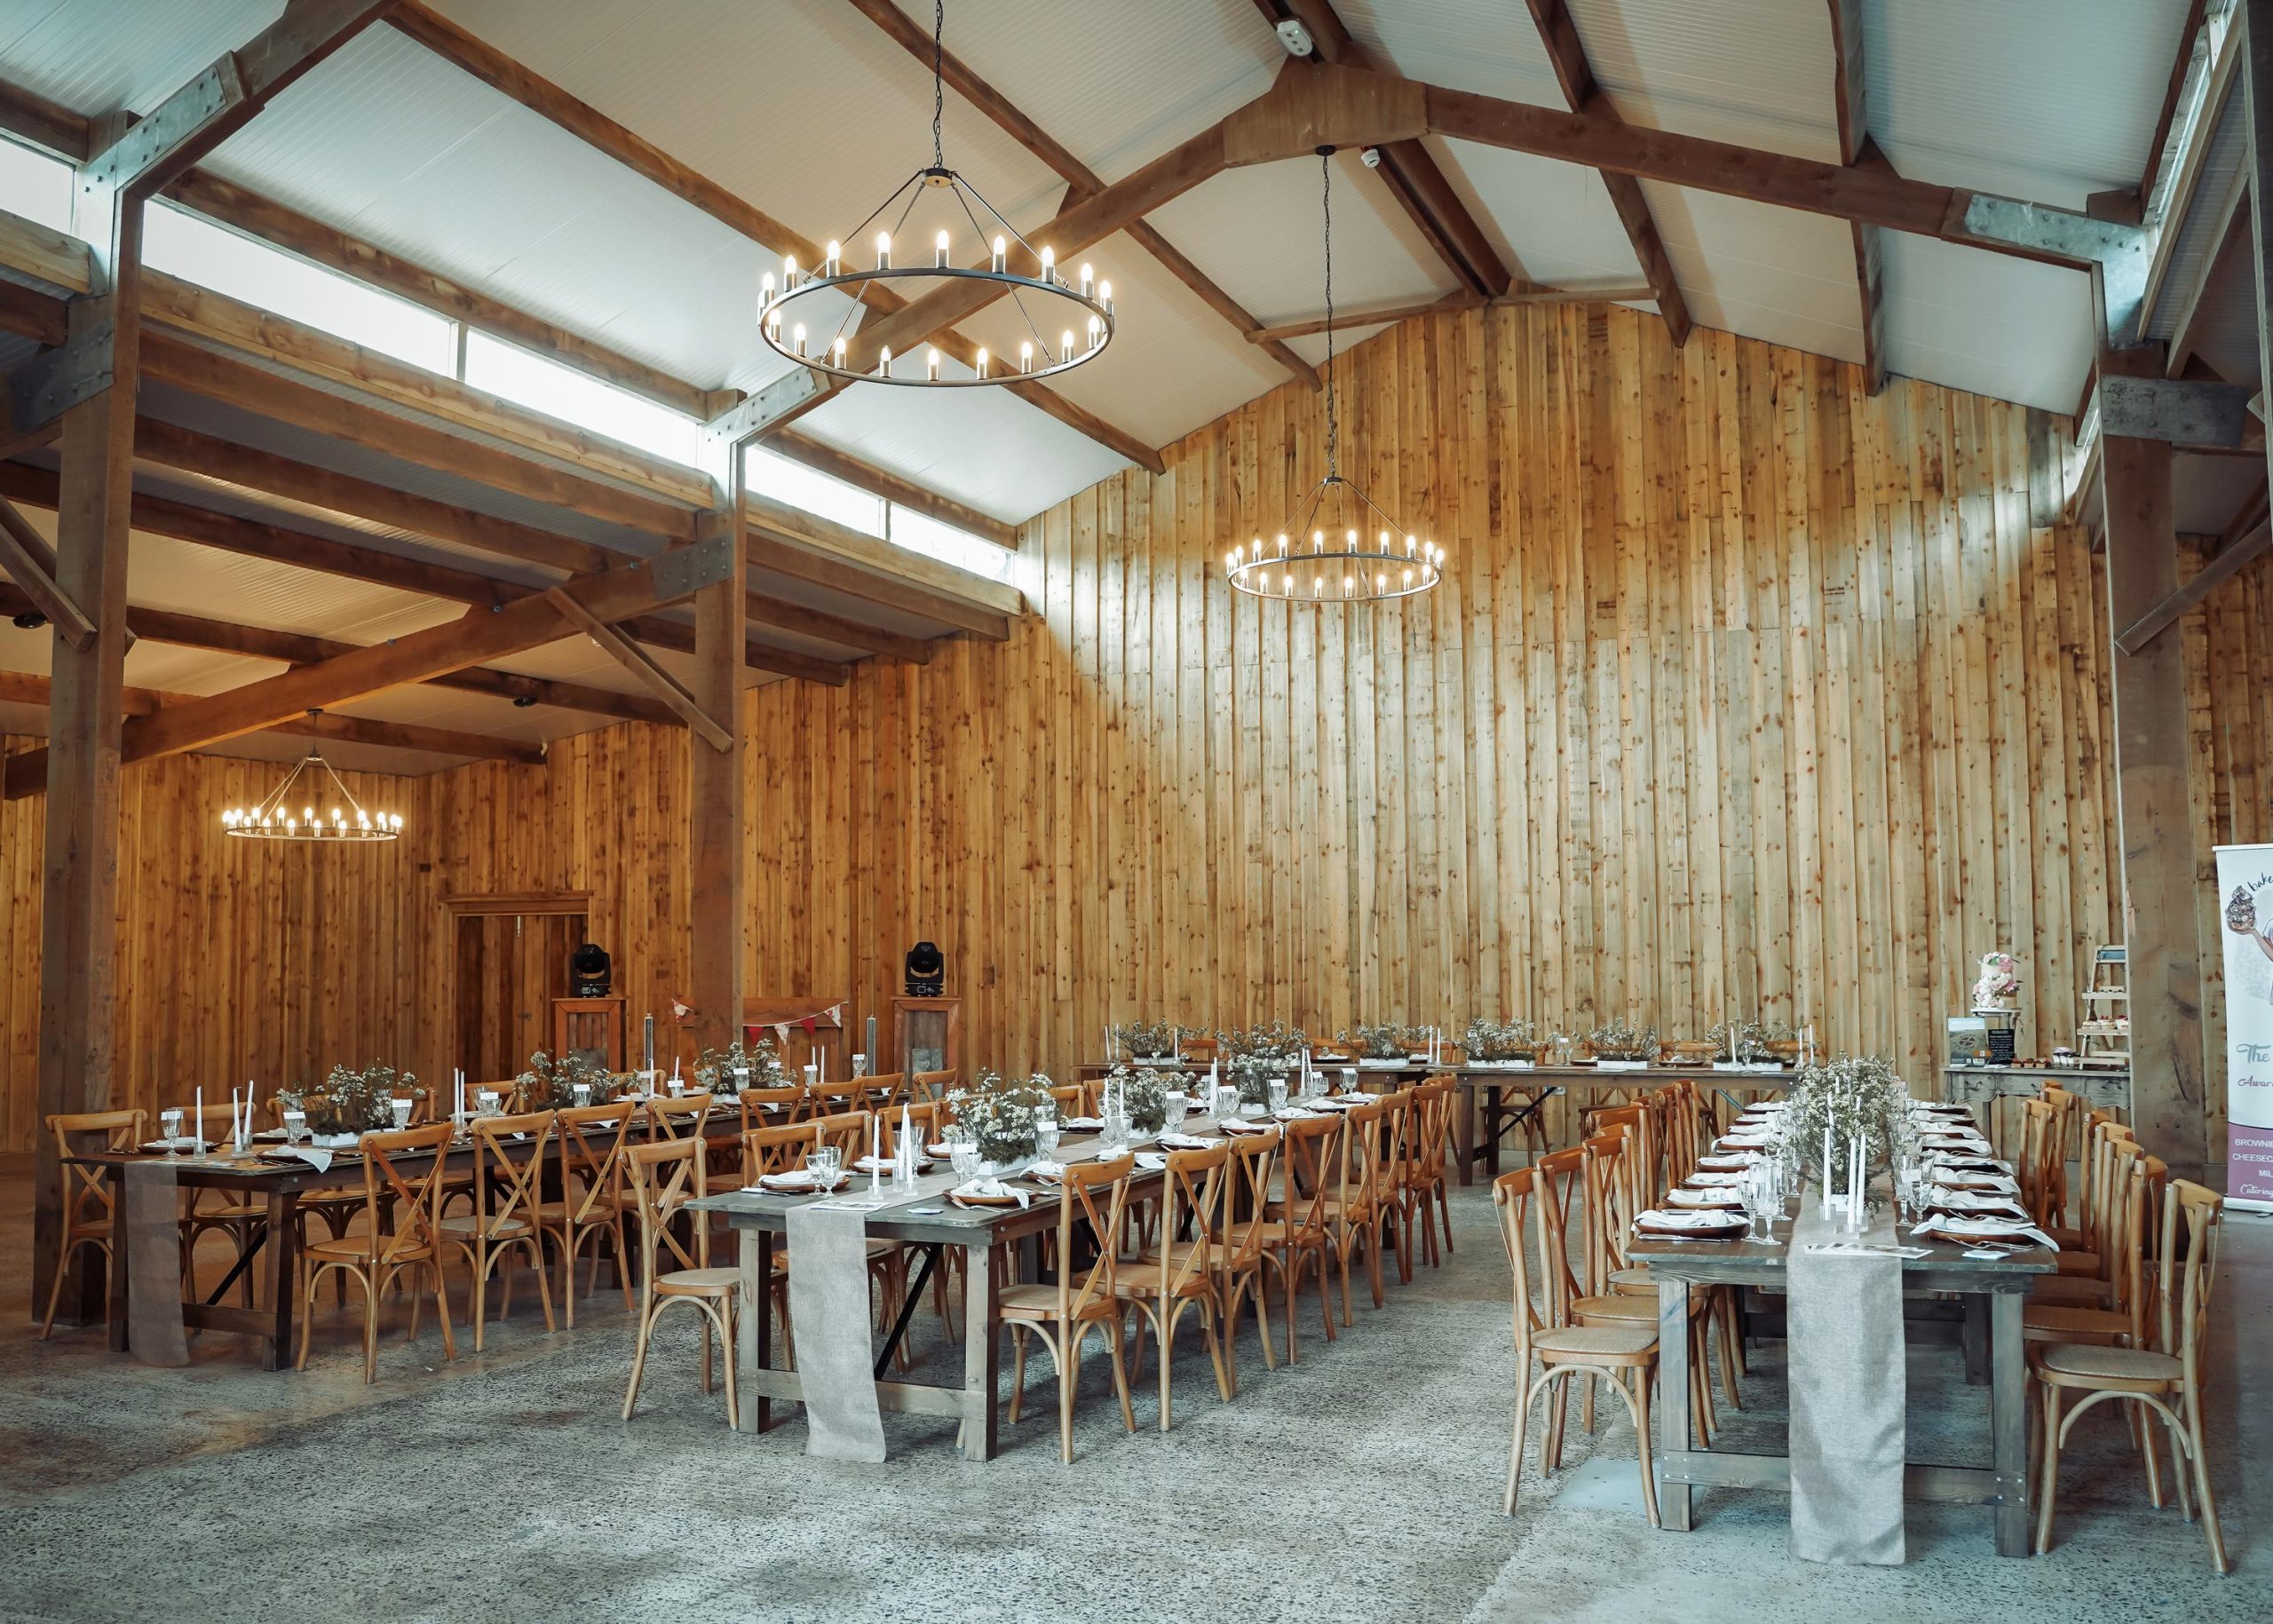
(330, 818)
(1339, 544)
(792, 314)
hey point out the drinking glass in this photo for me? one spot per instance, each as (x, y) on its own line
(824, 1162)
(1046, 1132)
(1177, 1105)
(581, 1093)
(401, 1109)
(296, 1127)
(169, 1119)
(487, 1102)
(1227, 1103)
(677, 1086)
(1277, 1088)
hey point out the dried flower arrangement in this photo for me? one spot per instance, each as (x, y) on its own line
(550, 1085)
(1150, 1039)
(1486, 1039)
(1143, 1095)
(1620, 1039)
(1277, 1043)
(1386, 1041)
(1853, 1096)
(353, 1101)
(1001, 1115)
(720, 1069)
(1753, 1038)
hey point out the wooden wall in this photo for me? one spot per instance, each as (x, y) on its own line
(1745, 692)
(240, 959)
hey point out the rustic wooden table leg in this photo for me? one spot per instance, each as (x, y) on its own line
(283, 1273)
(1464, 1133)
(754, 1334)
(1674, 1420)
(1974, 1337)
(115, 1284)
(2008, 1421)
(1496, 1116)
(982, 1339)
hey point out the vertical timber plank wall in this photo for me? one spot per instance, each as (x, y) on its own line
(1747, 690)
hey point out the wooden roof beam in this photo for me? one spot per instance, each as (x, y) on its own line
(24, 688)
(299, 648)
(1081, 180)
(1855, 146)
(541, 96)
(1413, 175)
(25, 555)
(1346, 319)
(635, 660)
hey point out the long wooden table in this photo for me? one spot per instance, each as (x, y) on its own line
(1485, 1086)
(272, 1245)
(1991, 1292)
(762, 1221)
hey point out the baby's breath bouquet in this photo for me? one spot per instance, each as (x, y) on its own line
(550, 1085)
(352, 1101)
(1251, 1074)
(1143, 1094)
(1001, 1116)
(1620, 1039)
(1386, 1041)
(1277, 1042)
(1486, 1039)
(722, 1068)
(1148, 1038)
(1855, 1096)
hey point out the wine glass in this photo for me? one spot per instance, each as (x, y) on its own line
(400, 1108)
(1046, 1132)
(824, 1161)
(1177, 1105)
(1227, 1103)
(581, 1093)
(1276, 1090)
(963, 1152)
(169, 1119)
(296, 1127)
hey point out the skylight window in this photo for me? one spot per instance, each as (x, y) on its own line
(921, 533)
(255, 273)
(35, 186)
(771, 474)
(562, 391)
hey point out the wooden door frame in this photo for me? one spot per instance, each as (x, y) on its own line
(456, 910)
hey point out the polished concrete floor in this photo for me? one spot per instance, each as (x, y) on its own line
(1361, 1484)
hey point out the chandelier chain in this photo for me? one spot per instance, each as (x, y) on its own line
(939, 81)
(1332, 411)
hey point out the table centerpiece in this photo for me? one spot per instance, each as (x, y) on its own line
(1003, 1119)
(552, 1085)
(351, 1102)
(737, 1066)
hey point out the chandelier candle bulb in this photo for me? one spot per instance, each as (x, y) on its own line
(1065, 345)
(931, 365)
(830, 256)
(1002, 257)
(982, 362)
(940, 252)
(1088, 279)
(797, 336)
(884, 251)
(883, 362)
(839, 352)
(1025, 355)
(1104, 297)
(1050, 264)
(789, 271)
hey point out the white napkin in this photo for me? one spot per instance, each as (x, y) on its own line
(1716, 1179)
(1977, 1228)
(1150, 1161)
(941, 1151)
(1185, 1142)
(1953, 1179)
(1698, 1197)
(1726, 1162)
(1343, 1102)
(182, 1142)
(991, 1189)
(1080, 1124)
(319, 1160)
(1658, 1219)
(1295, 1114)
(1742, 1141)
(1975, 1200)
(1049, 1172)
(790, 1181)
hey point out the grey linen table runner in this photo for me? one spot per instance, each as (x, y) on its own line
(1847, 1391)
(151, 1222)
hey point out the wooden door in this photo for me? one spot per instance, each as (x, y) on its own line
(510, 969)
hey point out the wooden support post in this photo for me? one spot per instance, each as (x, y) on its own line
(78, 971)
(717, 865)
(2257, 101)
(2152, 809)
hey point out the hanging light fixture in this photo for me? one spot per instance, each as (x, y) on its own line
(1339, 545)
(793, 318)
(331, 816)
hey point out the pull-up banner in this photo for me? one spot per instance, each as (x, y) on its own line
(2245, 895)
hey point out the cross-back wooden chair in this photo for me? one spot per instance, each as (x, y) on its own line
(2087, 1272)
(922, 1126)
(883, 1090)
(2166, 1380)
(505, 1218)
(89, 1217)
(1247, 1200)
(683, 1118)
(1401, 1137)
(760, 1106)
(848, 1130)
(1296, 1242)
(933, 1087)
(1184, 1269)
(1061, 1314)
(665, 1175)
(205, 1210)
(1428, 1200)
(1532, 1223)
(835, 1098)
(1075, 1098)
(592, 1198)
(404, 1176)
(1364, 1198)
